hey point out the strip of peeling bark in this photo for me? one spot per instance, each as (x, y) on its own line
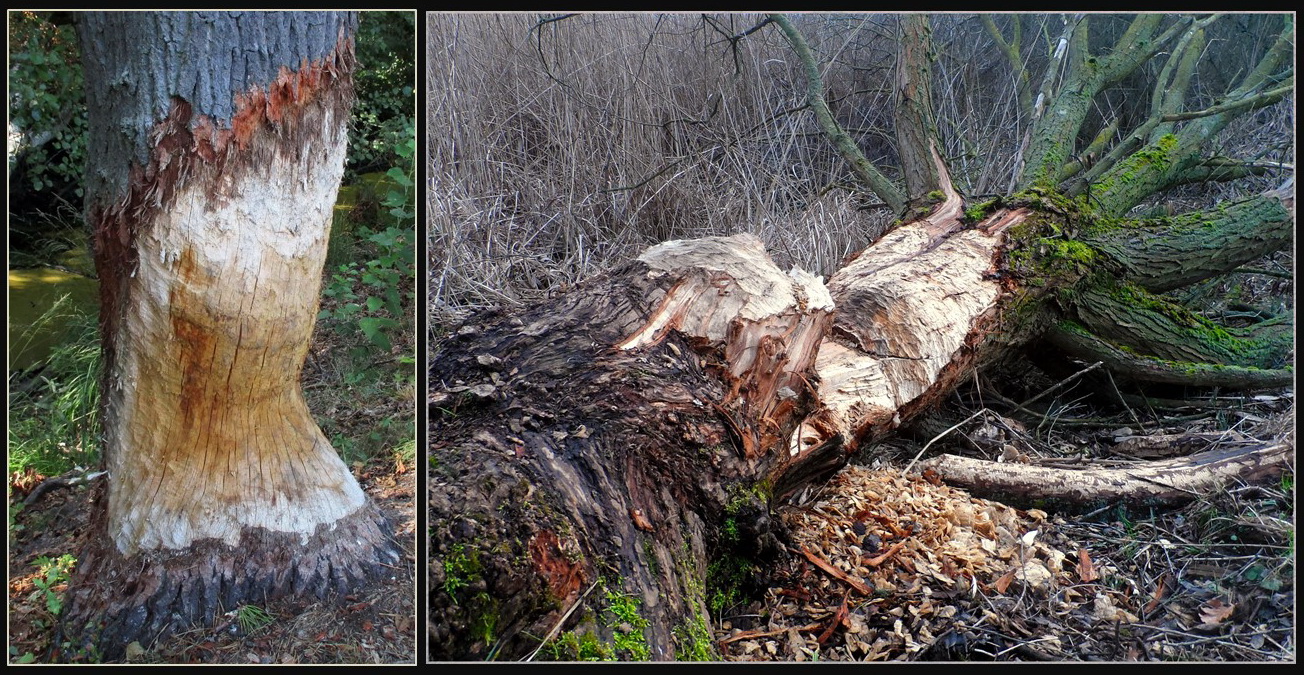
(1168, 482)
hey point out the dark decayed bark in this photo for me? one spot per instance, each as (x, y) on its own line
(601, 438)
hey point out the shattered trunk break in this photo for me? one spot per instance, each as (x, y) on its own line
(210, 232)
(603, 450)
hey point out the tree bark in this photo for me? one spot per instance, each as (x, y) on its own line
(1162, 483)
(217, 145)
(603, 438)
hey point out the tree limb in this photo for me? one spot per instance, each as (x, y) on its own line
(1167, 482)
(846, 147)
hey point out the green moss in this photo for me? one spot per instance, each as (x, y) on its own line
(935, 197)
(628, 637)
(572, 646)
(628, 641)
(1143, 165)
(977, 212)
(650, 556)
(485, 623)
(740, 496)
(694, 640)
(461, 567)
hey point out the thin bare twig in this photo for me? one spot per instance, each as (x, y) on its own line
(562, 621)
(935, 439)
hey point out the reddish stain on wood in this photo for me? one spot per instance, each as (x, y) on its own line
(183, 141)
(563, 575)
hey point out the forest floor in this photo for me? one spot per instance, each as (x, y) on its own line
(895, 567)
(376, 625)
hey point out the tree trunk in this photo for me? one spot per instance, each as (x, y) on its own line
(217, 145)
(602, 439)
(635, 433)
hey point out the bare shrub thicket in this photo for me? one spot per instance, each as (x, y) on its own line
(561, 149)
(562, 145)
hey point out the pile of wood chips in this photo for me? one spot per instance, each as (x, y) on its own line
(890, 567)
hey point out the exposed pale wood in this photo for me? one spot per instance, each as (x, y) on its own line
(908, 308)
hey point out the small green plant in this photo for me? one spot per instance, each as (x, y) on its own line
(629, 625)
(570, 646)
(385, 83)
(252, 618)
(25, 657)
(694, 641)
(486, 623)
(459, 568)
(53, 574)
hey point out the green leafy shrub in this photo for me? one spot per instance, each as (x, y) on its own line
(384, 82)
(46, 104)
(375, 296)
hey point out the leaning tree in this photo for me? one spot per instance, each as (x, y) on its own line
(217, 144)
(590, 452)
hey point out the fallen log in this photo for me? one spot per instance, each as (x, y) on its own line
(1169, 482)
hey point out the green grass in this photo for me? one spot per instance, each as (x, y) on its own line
(252, 618)
(54, 418)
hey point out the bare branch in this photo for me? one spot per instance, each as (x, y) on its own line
(1244, 105)
(862, 167)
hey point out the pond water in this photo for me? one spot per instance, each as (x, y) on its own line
(42, 301)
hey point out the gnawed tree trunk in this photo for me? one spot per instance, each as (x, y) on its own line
(620, 437)
(217, 147)
(602, 439)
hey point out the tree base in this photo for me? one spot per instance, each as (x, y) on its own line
(114, 600)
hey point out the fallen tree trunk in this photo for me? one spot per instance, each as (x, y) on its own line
(594, 457)
(1168, 482)
(627, 432)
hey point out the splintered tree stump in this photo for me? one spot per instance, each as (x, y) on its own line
(601, 438)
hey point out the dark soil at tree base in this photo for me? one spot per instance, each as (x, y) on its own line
(376, 624)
